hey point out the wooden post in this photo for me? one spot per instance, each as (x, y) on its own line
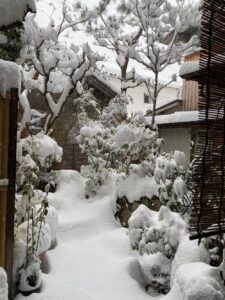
(8, 138)
(4, 138)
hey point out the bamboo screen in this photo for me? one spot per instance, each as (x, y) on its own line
(208, 213)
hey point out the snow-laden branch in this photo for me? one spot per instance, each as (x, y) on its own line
(54, 69)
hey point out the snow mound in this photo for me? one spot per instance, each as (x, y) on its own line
(71, 181)
(135, 187)
(10, 76)
(197, 281)
(3, 285)
(188, 252)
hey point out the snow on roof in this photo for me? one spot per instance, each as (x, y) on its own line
(12, 11)
(107, 83)
(10, 76)
(177, 117)
(163, 102)
(189, 67)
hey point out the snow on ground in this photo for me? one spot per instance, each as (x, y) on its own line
(93, 259)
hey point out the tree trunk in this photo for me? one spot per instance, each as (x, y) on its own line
(155, 95)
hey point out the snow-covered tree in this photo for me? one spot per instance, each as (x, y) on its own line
(109, 31)
(51, 67)
(160, 24)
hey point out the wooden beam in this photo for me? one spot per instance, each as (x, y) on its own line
(12, 133)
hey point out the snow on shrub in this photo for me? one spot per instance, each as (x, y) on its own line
(135, 187)
(3, 285)
(132, 148)
(173, 175)
(156, 236)
(116, 148)
(43, 148)
(35, 220)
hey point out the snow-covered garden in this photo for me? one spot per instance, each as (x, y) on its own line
(119, 227)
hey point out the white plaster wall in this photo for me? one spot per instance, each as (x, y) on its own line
(176, 139)
(137, 95)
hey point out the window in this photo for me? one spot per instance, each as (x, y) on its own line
(146, 98)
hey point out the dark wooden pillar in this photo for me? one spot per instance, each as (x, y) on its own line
(8, 139)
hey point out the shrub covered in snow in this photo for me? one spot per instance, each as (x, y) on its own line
(173, 175)
(35, 221)
(133, 149)
(164, 180)
(116, 148)
(87, 106)
(156, 236)
(38, 153)
(115, 113)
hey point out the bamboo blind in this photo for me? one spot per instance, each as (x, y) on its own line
(208, 214)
